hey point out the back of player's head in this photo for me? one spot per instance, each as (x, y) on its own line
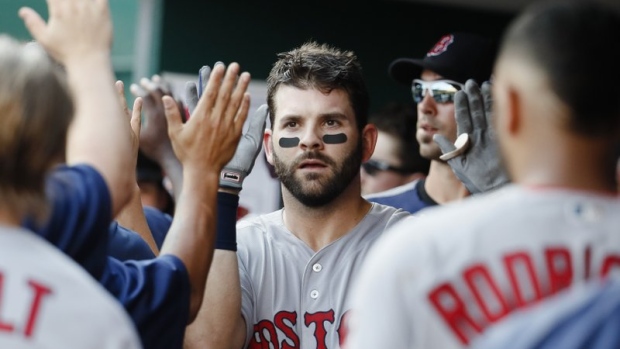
(324, 68)
(577, 45)
(35, 111)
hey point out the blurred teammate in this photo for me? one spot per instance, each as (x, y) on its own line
(396, 160)
(45, 296)
(438, 281)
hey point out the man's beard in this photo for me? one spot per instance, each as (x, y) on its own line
(329, 188)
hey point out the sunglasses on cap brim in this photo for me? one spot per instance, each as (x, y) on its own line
(442, 91)
(372, 167)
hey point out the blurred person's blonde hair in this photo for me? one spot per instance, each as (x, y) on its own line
(36, 109)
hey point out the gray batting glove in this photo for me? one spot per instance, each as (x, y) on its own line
(474, 157)
(193, 90)
(249, 147)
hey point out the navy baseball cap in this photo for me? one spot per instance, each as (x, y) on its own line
(456, 56)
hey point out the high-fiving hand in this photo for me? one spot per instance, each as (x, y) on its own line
(474, 157)
(75, 29)
(208, 140)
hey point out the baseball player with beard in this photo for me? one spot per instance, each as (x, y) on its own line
(285, 282)
(440, 280)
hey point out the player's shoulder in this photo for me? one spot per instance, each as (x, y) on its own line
(260, 226)
(261, 221)
(386, 214)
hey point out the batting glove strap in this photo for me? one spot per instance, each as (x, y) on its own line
(232, 178)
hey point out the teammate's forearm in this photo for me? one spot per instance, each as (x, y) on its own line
(132, 217)
(192, 233)
(219, 323)
(100, 132)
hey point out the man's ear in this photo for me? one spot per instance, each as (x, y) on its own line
(513, 111)
(507, 109)
(369, 140)
(268, 145)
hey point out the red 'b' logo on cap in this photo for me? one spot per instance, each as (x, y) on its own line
(441, 46)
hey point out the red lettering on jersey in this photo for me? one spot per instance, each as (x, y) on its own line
(608, 263)
(4, 326)
(343, 328)
(318, 319)
(515, 262)
(261, 329)
(291, 316)
(452, 309)
(40, 291)
(480, 282)
(560, 268)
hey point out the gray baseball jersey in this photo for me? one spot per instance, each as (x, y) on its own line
(48, 301)
(439, 280)
(293, 297)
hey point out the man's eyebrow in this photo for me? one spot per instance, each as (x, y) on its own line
(336, 115)
(289, 118)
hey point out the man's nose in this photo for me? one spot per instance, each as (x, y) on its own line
(310, 139)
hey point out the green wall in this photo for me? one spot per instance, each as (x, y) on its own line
(124, 13)
(252, 32)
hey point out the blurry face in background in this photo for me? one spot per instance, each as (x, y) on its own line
(386, 151)
(434, 117)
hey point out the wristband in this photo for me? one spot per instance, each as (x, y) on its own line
(226, 235)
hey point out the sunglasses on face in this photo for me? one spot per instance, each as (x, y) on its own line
(372, 167)
(442, 90)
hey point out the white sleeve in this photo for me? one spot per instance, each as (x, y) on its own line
(247, 301)
(379, 317)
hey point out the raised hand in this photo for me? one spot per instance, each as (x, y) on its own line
(208, 140)
(193, 90)
(154, 141)
(474, 157)
(133, 115)
(75, 29)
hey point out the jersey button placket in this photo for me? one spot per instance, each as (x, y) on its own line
(314, 294)
(317, 268)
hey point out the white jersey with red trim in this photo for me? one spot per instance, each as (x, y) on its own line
(293, 297)
(439, 280)
(48, 301)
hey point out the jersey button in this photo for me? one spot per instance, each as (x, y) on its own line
(317, 267)
(314, 294)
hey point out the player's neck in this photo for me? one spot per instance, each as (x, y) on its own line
(568, 169)
(320, 226)
(8, 218)
(442, 185)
